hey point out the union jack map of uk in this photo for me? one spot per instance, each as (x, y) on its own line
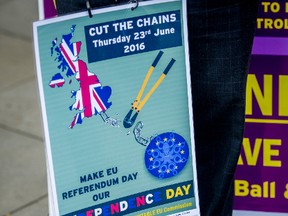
(91, 98)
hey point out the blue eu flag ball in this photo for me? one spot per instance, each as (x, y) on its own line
(166, 155)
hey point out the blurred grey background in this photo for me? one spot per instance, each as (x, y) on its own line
(23, 179)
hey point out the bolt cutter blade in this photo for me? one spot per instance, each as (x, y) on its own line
(128, 121)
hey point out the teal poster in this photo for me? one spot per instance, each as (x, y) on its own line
(117, 112)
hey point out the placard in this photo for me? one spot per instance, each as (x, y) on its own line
(261, 180)
(117, 115)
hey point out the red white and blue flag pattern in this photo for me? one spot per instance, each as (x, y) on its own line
(91, 98)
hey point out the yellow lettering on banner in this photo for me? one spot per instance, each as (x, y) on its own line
(259, 23)
(265, 6)
(273, 6)
(286, 192)
(264, 99)
(278, 23)
(272, 193)
(241, 188)
(252, 153)
(265, 190)
(256, 191)
(285, 24)
(240, 161)
(283, 89)
(251, 156)
(268, 152)
(268, 24)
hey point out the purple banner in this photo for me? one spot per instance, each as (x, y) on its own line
(272, 19)
(261, 179)
(270, 46)
(49, 8)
